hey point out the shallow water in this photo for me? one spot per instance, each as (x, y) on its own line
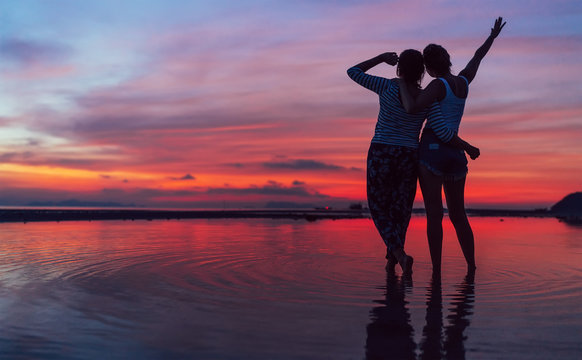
(285, 289)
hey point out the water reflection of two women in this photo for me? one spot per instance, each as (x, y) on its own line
(390, 334)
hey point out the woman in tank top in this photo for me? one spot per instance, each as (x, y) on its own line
(442, 166)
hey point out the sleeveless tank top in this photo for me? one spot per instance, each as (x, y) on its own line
(452, 106)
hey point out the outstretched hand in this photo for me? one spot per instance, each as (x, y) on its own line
(390, 58)
(496, 29)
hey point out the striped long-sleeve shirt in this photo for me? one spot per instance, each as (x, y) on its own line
(395, 126)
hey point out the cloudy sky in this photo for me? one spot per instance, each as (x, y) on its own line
(175, 103)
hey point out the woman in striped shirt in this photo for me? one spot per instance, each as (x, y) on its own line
(393, 155)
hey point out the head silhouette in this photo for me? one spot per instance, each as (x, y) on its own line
(410, 66)
(437, 60)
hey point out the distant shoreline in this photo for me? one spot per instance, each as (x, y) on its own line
(36, 215)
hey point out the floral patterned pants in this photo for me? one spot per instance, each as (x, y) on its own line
(391, 186)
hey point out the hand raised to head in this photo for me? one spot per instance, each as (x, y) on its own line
(390, 58)
(496, 29)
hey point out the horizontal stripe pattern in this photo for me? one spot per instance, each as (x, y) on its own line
(395, 126)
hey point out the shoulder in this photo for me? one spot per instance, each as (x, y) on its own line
(464, 78)
(437, 89)
(437, 83)
(389, 84)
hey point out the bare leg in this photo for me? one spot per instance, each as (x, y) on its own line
(455, 194)
(431, 186)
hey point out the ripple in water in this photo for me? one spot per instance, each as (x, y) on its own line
(248, 289)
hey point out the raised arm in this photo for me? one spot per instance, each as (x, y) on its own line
(370, 82)
(470, 70)
(390, 58)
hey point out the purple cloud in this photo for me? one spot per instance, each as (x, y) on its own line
(26, 52)
(185, 177)
(305, 164)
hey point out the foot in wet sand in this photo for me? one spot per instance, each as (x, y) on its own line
(391, 265)
(407, 265)
(392, 261)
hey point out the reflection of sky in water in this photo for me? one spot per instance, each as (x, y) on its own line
(284, 289)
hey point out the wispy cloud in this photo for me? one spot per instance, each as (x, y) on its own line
(301, 164)
(25, 52)
(220, 93)
(182, 178)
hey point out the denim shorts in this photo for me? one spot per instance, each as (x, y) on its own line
(440, 158)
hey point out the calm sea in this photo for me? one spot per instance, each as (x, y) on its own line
(285, 289)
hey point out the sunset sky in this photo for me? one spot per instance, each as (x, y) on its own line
(224, 104)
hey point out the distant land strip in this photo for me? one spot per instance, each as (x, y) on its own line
(33, 215)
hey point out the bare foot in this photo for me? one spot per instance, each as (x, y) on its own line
(391, 265)
(407, 265)
(392, 261)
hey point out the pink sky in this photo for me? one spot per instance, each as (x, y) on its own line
(175, 104)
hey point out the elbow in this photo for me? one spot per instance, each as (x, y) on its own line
(449, 139)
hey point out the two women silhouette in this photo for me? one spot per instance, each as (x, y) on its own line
(395, 159)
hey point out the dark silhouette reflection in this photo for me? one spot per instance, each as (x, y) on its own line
(431, 346)
(462, 307)
(390, 334)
